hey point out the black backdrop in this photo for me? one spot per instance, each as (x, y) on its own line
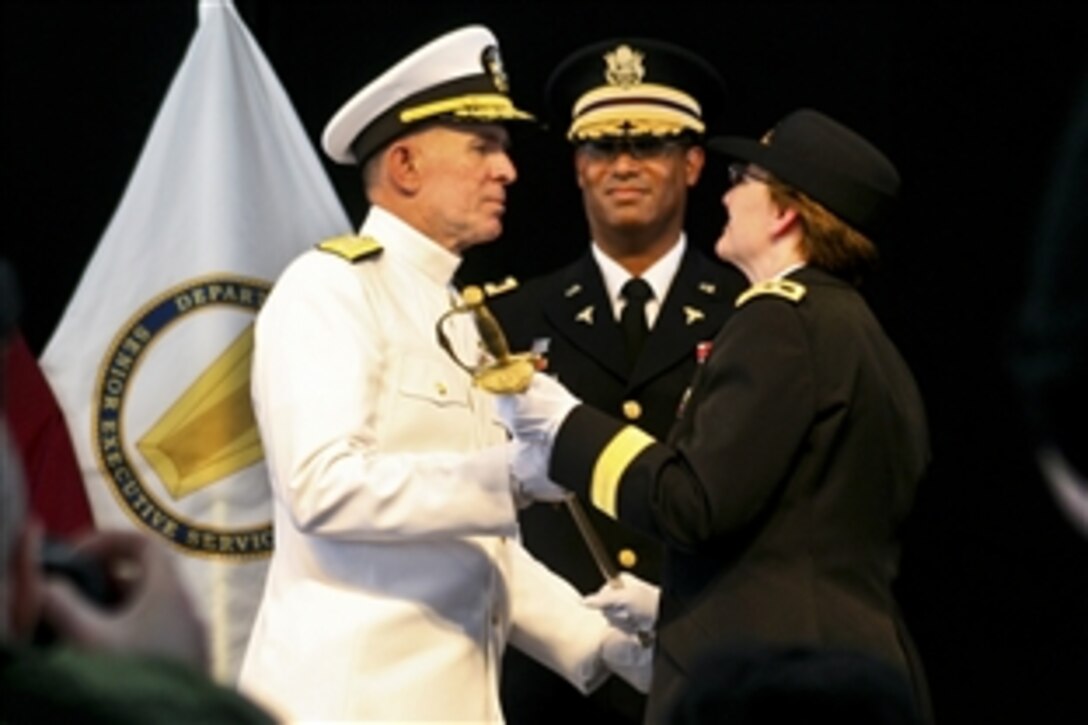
(969, 101)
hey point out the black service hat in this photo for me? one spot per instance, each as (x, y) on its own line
(817, 155)
(632, 87)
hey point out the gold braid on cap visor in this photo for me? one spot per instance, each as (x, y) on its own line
(484, 106)
(643, 109)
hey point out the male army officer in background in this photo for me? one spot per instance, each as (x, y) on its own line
(397, 577)
(636, 111)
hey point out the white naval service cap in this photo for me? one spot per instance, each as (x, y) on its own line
(456, 77)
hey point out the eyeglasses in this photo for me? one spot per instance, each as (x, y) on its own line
(741, 172)
(637, 147)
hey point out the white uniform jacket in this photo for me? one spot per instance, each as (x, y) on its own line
(397, 575)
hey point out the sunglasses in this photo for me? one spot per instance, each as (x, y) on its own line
(637, 147)
(741, 172)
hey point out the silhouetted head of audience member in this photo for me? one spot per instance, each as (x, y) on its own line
(764, 685)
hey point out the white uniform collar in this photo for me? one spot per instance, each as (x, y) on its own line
(659, 276)
(405, 242)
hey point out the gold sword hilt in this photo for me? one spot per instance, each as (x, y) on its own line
(507, 373)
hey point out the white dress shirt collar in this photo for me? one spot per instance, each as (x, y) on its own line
(659, 276)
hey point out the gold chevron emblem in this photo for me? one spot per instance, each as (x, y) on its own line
(209, 432)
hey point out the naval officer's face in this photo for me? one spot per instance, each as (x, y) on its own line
(465, 170)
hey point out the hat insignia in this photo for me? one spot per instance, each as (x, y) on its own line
(492, 63)
(624, 67)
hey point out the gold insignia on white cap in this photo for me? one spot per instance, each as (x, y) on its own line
(493, 64)
(458, 75)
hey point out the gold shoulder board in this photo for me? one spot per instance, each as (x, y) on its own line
(792, 291)
(351, 247)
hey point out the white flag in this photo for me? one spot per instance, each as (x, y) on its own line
(150, 361)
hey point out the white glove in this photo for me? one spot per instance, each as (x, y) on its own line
(529, 473)
(627, 656)
(632, 606)
(539, 411)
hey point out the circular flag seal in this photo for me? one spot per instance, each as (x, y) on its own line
(172, 425)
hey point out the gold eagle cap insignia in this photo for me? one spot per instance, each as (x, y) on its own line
(351, 247)
(623, 67)
(783, 288)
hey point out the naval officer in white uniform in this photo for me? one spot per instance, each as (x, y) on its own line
(398, 578)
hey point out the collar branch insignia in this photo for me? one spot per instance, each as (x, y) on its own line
(692, 315)
(494, 289)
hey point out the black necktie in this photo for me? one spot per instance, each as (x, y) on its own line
(633, 316)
